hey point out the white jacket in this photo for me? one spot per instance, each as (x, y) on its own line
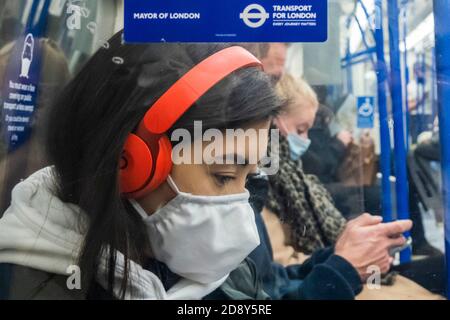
(40, 231)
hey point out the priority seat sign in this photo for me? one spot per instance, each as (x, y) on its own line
(366, 109)
(225, 21)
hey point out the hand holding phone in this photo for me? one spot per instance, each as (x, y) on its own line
(394, 250)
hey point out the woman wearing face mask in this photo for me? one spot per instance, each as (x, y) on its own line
(299, 213)
(301, 219)
(299, 200)
(114, 217)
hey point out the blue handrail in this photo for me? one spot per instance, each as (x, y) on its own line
(406, 71)
(399, 128)
(442, 35)
(364, 40)
(385, 138)
(433, 85)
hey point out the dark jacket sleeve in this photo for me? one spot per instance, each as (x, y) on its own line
(325, 276)
(30, 284)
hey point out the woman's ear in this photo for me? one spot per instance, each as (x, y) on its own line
(157, 198)
(279, 123)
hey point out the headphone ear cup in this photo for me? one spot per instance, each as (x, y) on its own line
(163, 167)
(136, 165)
(163, 162)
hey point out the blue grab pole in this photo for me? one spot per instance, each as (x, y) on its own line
(385, 138)
(350, 57)
(401, 184)
(424, 86)
(366, 13)
(433, 85)
(41, 22)
(364, 40)
(41, 25)
(422, 94)
(349, 71)
(33, 10)
(419, 117)
(442, 30)
(406, 72)
(355, 62)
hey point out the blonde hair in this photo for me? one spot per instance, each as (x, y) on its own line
(297, 92)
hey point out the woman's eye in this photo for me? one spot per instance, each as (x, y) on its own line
(222, 180)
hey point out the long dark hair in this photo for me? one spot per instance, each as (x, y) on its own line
(103, 104)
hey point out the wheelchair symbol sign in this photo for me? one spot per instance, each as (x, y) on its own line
(366, 108)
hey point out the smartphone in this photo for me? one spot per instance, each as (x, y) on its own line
(394, 250)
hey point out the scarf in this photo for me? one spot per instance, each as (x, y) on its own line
(302, 202)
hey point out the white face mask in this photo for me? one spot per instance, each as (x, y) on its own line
(202, 238)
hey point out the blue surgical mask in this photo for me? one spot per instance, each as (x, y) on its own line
(297, 145)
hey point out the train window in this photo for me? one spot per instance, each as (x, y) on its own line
(351, 136)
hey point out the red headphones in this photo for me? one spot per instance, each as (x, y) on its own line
(147, 155)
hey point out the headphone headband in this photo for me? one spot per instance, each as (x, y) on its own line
(147, 154)
(192, 86)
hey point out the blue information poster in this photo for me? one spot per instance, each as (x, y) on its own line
(20, 89)
(18, 96)
(366, 109)
(225, 21)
